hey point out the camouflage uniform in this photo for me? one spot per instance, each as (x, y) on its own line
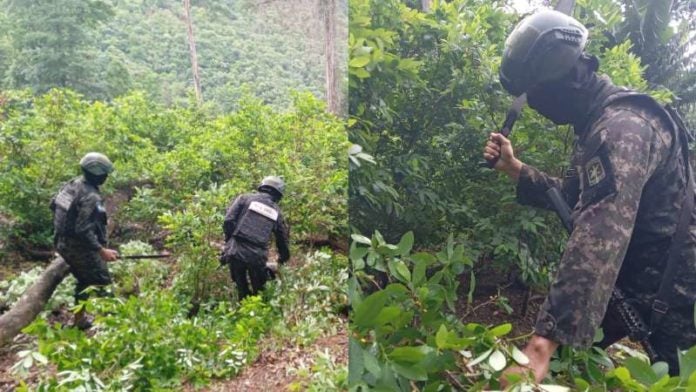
(245, 256)
(626, 186)
(81, 234)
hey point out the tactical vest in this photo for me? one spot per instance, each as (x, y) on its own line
(257, 223)
(65, 210)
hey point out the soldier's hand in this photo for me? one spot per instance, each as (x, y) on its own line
(108, 254)
(499, 147)
(539, 351)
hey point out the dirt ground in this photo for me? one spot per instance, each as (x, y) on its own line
(272, 370)
(492, 288)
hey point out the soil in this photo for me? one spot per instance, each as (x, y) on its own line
(272, 370)
(493, 288)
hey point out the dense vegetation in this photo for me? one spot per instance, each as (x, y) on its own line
(424, 96)
(176, 171)
(105, 48)
(120, 77)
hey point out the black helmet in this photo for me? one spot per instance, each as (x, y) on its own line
(273, 182)
(543, 47)
(96, 164)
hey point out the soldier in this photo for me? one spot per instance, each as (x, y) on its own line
(79, 221)
(249, 223)
(628, 185)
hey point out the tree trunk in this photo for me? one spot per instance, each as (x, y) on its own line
(426, 5)
(332, 96)
(192, 50)
(32, 301)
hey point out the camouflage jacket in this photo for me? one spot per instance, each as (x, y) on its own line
(239, 249)
(626, 186)
(84, 225)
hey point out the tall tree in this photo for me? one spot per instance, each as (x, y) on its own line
(329, 16)
(192, 50)
(54, 45)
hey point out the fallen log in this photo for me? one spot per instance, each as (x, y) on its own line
(32, 301)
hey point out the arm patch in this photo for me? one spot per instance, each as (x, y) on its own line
(597, 178)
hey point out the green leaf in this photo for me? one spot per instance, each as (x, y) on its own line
(687, 363)
(405, 244)
(660, 368)
(398, 269)
(356, 361)
(357, 252)
(361, 73)
(641, 371)
(410, 354)
(387, 314)
(425, 258)
(359, 62)
(580, 384)
(365, 314)
(361, 239)
(412, 372)
(441, 337)
(419, 273)
(501, 330)
(371, 364)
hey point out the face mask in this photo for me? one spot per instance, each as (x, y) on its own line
(566, 101)
(95, 180)
(555, 102)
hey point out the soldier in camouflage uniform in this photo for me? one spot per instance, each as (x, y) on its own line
(250, 221)
(626, 186)
(79, 220)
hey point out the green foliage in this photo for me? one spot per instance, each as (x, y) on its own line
(407, 336)
(54, 44)
(310, 297)
(424, 96)
(12, 289)
(323, 375)
(149, 342)
(192, 232)
(103, 49)
(163, 155)
(135, 276)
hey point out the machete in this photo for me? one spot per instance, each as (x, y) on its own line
(155, 256)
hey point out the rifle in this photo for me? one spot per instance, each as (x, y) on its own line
(638, 330)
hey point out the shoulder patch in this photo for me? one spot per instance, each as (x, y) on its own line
(597, 177)
(262, 209)
(595, 171)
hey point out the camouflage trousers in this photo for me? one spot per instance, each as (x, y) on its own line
(88, 268)
(676, 331)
